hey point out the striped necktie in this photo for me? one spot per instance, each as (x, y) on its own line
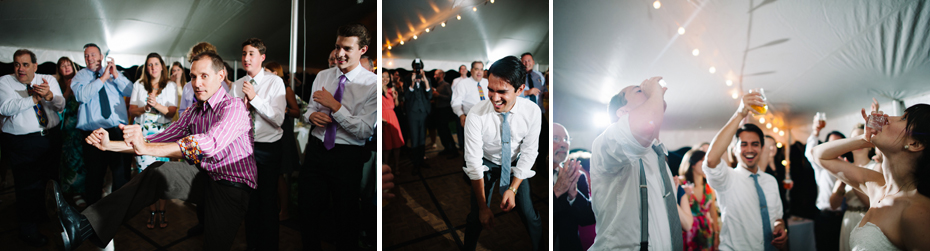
(40, 113)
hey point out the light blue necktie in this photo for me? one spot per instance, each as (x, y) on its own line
(505, 153)
(766, 225)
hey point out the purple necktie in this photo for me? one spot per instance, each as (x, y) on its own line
(329, 141)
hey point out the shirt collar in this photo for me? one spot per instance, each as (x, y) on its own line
(352, 74)
(214, 100)
(746, 172)
(258, 76)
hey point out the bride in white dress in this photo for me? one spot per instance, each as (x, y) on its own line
(857, 203)
(899, 214)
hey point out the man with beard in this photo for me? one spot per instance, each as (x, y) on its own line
(572, 208)
(744, 190)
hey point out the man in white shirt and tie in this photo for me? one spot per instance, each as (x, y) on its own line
(748, 197)
(501, 135)
(344, 111)
(29, 106)
(264, 97)
(466, 92)
(633, 192)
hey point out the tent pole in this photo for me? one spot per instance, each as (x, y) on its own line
(292, 65)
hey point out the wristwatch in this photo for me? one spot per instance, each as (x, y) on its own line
(513, 189)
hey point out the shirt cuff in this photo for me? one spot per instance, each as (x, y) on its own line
(190, 149)
(476, 173)
(340, 115)
(571, 201)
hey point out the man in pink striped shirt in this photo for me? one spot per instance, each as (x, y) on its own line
(213, 137)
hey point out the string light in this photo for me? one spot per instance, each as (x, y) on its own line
(696, 52)
(414, 37)
(783, 162)
(492, 1)
(389, 47)
(681, 30)
(781, 133)
(768, 126)
(779, 145)
(427, 30)
(775, 130)
(656, 4)
(474, 8)
(712, 69)
(762, 120)
(443, 24)
(735, 96)
(401, 42)
(729, 82)
(459, 17)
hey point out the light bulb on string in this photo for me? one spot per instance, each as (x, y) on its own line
(414, 37)
(681, 30)
(401, 42)
(768, 126)
(389, 47)
(712, 69)
(459, 17)
(695, 52)
(779, 145)
(775, 129)
(443, 24)
(729, 82)
(781, 133)
(735, 95)
(492, 1)
(762, 120)
(656, 4)
(474, 8)
(427, 30)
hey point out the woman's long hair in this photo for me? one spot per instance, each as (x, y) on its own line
(918, 128)
(147, 80)
(183, 76)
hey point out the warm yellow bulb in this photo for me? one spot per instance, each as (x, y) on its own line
(781, 133)
(656, 4)
(474, 8)
(401, 42)
(681, 30)
(492, 1)
(762, 120)
(712, 69)
(768, 126)
(389, 47)
(729, 82)
(427, 30)
(735, 96)
(459, 17)
(783, 162)
(414, 37)
(443, 24)
(775, 129)
(779, 145)
(696, 52)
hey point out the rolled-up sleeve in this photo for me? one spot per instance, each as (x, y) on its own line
(717, 177)
(529, 147)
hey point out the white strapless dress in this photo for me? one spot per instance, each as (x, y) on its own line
(869, 238)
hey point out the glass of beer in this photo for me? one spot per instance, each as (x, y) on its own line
(765, 107)
(821, 119)
(788, 183)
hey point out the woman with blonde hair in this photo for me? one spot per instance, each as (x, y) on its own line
(153, 103)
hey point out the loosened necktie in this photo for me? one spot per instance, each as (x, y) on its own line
(329, 140)
(505, 153)
(766, 224)
(480, 92)
(671, 207)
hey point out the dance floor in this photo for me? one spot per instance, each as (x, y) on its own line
(133, 235)
(429, 211)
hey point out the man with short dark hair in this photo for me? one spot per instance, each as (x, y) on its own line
(748, 197)
(535, 83)
(212, 136)
(417, 97)
(632, 188)
(829, 222)
(31, 140)
(263, 94)
(101, 92)
(442, 113)
(501, 139)
(344, 111)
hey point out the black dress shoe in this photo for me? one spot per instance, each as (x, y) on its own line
(35, 240)
(74, 225)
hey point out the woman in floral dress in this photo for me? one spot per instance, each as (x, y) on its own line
(705, 229)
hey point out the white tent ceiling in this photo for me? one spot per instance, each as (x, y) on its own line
(506, 27)
(171, 27)
(831, 56)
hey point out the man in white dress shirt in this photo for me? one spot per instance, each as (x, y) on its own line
(501, 135)
(748, 197)
(264, 97)
(829, 222)
(29, 106)
(466, 92)
(627, 157)
(344, 111)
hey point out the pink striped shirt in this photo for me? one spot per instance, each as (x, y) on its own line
(215, 135)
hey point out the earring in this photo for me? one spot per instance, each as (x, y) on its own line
(906, 147)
